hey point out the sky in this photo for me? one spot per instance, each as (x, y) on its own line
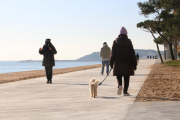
(75, 27)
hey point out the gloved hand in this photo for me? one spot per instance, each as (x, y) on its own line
(111, 66)
(135, 67)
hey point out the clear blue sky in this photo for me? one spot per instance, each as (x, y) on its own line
(76, 27)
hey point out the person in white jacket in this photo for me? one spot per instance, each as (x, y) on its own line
(105, 55)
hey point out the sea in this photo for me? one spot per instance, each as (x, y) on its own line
(16, 66)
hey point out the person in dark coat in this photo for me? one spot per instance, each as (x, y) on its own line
(137, 57)
(124, 60)
(48, 52)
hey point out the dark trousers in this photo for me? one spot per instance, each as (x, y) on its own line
(49, 72)
(126, 82)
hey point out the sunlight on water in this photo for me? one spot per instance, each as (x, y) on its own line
(15, 66)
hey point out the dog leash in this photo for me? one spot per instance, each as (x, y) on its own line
(105, 77)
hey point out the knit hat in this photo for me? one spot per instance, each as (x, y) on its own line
(123, 31)
(48, 40)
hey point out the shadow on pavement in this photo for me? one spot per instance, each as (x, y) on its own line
(60, 83)
(81, 84)
(105, 85)
(88, 84)
(109, 97)
(69, 84)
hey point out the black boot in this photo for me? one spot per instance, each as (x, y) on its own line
(126, 94)
(47, 81)
(51, 81)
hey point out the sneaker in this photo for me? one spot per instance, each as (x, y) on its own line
(119, 91)
(126, 94)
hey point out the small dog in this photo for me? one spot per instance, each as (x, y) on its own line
(93, 87)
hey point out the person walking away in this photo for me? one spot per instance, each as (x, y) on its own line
(48, 52)
(150, 57)
(137, 57)
(124, 60)
(153, 57)
(105, 54)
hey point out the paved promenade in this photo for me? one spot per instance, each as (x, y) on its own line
(68, 97)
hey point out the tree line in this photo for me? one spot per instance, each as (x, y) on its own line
(164, 26)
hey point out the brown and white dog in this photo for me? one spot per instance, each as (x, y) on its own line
(93, 87)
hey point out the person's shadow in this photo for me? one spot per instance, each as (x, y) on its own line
(81, 84)
(109, 97)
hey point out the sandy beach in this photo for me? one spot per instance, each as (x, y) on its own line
(17, 76)
(162, 84)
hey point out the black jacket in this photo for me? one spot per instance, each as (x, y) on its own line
(137, 56)
(48, 59)
(123, 57)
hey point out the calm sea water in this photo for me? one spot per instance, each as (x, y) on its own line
(15, 66)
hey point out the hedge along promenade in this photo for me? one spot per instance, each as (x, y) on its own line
(25, 75)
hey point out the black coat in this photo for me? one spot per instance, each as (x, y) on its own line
(137, 56)
(48, 59)
(123, 57)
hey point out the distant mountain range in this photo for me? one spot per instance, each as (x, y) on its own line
(94, 57)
